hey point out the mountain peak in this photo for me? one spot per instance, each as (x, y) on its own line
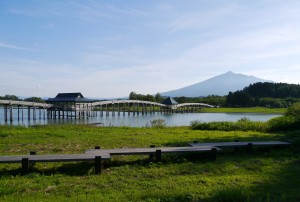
(229, 72)
(219, 85)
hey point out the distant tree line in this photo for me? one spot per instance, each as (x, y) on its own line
(30, 99)
(211, 99)
(148, 97)
(266, 94)
(9, 97)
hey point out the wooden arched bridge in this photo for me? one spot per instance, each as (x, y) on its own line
(31, 109)
(75, 106)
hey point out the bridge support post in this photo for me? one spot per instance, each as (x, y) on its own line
(22, 113)
(101, 110)
(123, 108)
(18, 108)
(128, 109)
(106, 112)
(67, 112)
(33, 114)
(28, 114)
(11, 113)
(5, 113)
(113, 109)
(134, 108)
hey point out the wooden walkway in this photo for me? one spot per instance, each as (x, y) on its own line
(146, 151)
(97, 155)
(239, 144)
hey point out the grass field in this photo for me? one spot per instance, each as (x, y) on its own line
(264, 110)
(268, 175)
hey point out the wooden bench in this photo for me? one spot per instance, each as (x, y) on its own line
(237, 144)
(154, 151)
(97, 154)
(28, 160)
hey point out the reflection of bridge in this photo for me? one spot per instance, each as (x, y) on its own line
(78, 107)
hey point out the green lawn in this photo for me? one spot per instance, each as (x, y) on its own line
(246, 110)
(271, 175)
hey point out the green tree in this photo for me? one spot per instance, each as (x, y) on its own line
(132, 96)
(34, 99)
(158, 98)
(9, 97)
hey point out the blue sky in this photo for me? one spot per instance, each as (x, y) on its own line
(105, 48)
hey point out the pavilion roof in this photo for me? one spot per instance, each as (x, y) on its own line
(69, 97)
(169, 101)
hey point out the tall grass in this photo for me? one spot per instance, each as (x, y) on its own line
(241, 125)
(264, 110)
(289, 121)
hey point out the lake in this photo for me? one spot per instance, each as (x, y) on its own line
(178, 119)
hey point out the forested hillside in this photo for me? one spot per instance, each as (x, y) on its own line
(265, 94)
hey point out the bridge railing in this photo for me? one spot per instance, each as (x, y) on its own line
(195, 104)
(125, 102)
(25, 103)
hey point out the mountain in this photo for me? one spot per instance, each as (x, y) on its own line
(218, 85)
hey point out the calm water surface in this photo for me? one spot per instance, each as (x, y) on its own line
(144, 120)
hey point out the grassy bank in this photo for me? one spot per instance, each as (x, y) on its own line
(264, 110)
(272, 175)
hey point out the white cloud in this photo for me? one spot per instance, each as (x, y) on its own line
(149, 49)
(10, 46)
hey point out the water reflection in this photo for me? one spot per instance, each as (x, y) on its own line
(142, 120)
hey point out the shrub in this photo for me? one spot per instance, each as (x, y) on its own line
(243, 124)
(294, 111)
(158, 123)
(290, 120)
(283, 123)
